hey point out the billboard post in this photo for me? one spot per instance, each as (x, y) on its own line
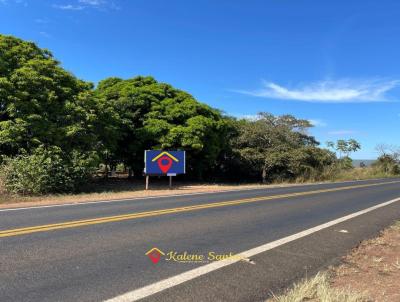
(164, 163)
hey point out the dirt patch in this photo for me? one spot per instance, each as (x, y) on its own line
(373, 267)
(370, 273)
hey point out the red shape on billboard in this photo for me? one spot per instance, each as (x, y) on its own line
(164, 163)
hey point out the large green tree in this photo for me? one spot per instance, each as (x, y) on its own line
(278, 147)
(40, 102)
(147, 114)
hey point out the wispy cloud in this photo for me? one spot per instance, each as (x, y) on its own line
(317, 123)
(45, 34)
(92, 2)
(23, 2)
(342, 132)
(250, 117)
(68, 7)
(329, 91)
(41, 21)
(85, 4)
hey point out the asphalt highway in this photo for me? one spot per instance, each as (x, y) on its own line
(97, 251)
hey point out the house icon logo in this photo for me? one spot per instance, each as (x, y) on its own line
(154, 255)
(164, 161)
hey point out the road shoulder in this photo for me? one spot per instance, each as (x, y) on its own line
(370, 272)
(137, 192)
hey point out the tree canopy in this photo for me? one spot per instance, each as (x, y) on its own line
(40, 102)
(278, 147)
(147, 114)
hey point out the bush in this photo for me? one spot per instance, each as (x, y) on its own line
(47, 170)
(387, 164)
(346, 163)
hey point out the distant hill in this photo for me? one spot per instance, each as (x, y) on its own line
(367, 162)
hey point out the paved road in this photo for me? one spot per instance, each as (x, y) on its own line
(96, 251)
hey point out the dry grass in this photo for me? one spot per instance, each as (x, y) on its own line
(334, 173)
(396, 226)
(319, 289)
(360, 173)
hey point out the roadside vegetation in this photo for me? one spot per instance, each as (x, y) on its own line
(371, 272)
(319, 289)
(58, 133)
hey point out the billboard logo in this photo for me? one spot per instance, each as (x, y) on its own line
(155, 255)
(164, 161)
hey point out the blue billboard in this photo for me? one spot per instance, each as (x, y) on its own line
(160, 162)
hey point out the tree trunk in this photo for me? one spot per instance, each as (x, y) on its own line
(264, 175)
(106, 171)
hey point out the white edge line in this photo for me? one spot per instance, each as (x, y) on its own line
(154, 288)
(77, 203)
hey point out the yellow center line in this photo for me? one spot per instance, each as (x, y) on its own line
(86, 222)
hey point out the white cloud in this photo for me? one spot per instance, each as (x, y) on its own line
(250, 117)
(317, 123)
(23, 2)
(45, 34)
(41, 21)
(92, 2)
(342, 132)
(103, 5)
(69, 7)
(329, 91)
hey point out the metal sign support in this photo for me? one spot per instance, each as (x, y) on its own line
(147, 182)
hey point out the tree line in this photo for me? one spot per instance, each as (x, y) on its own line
(55, 129)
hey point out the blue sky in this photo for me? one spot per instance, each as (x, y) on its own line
(333, 62)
